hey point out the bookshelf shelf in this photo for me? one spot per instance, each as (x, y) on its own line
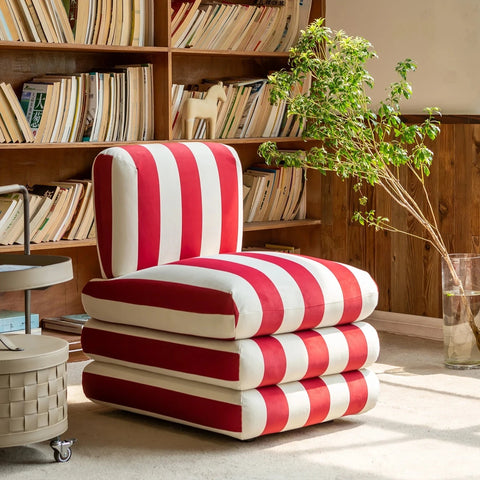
(229, 53)
(75, 47)
(29, 163)
(49, 245)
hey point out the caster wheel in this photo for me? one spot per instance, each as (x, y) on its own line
(62, 451)
(64, 456)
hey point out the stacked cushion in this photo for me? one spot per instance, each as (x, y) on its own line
(240, 343)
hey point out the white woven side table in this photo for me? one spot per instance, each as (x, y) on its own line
(33, 392)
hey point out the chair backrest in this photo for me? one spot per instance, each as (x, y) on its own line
(162, 202)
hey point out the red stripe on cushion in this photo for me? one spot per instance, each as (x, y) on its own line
(277, 409)
(352, 294)
(191, 200)
(312, 293)
(357, 347)
(148, 206)
(358, 388)
(274, 360)
(317, 351)
(319, 397)
(182, 406)
(270, 299)
(102, 182)
(162, 354)
(228, 175)
(155, 293)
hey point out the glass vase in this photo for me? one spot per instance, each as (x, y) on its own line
(461, 306)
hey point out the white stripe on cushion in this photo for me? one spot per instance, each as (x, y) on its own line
(338, 348)
(170, 196)
(211, 198)
(125, 240)
(339, 391)
(298, 404)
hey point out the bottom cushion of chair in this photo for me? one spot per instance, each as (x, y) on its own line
(241, 414)
(238, 364)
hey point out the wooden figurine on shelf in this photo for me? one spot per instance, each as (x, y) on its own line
(203, 108)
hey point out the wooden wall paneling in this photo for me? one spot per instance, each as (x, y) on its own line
(380, 266)
(463, 188)
(445, 163)
(475, 207)
(357, 247)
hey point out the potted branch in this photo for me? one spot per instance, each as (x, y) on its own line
(372, 147)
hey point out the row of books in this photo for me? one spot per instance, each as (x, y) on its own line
(102, 22)
(58, 210)
(95, 106)
(272, 193)
(276, 247)
(267, 26)
(247, 112)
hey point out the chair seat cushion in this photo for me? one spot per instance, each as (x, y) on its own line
(233, 296)
(241, 414)
(238, 364)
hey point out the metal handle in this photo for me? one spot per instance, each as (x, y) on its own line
(15, 188)
(8, 343)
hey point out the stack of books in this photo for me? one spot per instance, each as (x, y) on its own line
(276, 247)
(267, 26)
(57, 210)
(273, 193)
(102, 22)
(95, 106)
(14, 322)
(65, 323)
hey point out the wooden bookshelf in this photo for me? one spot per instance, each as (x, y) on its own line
(39, 163)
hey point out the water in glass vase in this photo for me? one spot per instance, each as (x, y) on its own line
(460, 347)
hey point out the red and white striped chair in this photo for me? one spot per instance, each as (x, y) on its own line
(188, 328)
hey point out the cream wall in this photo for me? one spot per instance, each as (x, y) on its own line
(442, 36)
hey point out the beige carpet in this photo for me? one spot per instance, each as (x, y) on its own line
(426, 425)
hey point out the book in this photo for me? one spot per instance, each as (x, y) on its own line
(82, 21)
(37, 217)
(62, 20)
(10, 25)
(126, 22)
(76, 192)
(259, 207)
(47, 24)
(32, 102)
(7, 206)
(15, 218)
(20, 23)
(12, 321)
(45, 128)
(13, 116)
(66, 323)
(73, 232)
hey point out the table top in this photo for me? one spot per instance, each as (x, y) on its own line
(38, 352)
(26, 272)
